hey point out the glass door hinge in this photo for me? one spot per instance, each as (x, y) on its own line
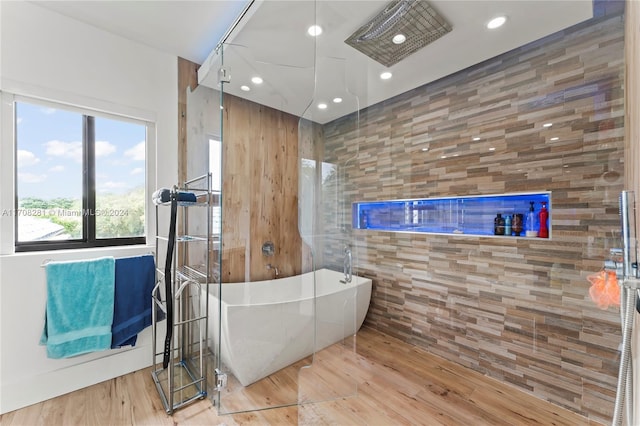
(224, 76)
(221, 380)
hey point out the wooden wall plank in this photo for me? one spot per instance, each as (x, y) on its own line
(260, 191)
(187, 78)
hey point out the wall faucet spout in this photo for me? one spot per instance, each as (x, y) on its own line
(274, 268)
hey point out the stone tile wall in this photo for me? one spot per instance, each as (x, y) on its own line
(517, 310)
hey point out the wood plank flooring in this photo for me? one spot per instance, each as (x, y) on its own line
(396, 384)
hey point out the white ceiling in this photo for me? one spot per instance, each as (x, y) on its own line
(185, 28)
(272, 42)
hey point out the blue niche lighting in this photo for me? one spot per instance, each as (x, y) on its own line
(466, 215)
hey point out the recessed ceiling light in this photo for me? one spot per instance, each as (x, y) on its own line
(399, 39)
(322, 106)
(245, 88)
(256, 80)
(386, 75)
(555, 138)
(314, 30)
(492, 149)
(337, 100)
(476, 139)
(455, 155)
(443, 156)
(496, 22)
(425, 149)
(547, 125)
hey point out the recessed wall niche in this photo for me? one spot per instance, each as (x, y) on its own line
(500, 215)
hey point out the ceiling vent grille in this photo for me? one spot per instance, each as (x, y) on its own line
(415, 19)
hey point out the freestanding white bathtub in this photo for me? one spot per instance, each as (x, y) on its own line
(268, 325)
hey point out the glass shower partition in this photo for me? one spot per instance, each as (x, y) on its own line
(325, 226)
(284, 209)
(204, 158)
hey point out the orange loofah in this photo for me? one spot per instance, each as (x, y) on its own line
(604, 289)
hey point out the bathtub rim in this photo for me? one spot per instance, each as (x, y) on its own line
(357, 281)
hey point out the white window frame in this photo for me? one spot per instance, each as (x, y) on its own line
(72, 103)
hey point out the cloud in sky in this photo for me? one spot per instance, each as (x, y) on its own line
(18, 120)
(137, 153)
(57, 169)
(72, 150)
(114, 185)
(48, 111)
(137, 171)
(104, 148)
(31, 178)
(27, 158)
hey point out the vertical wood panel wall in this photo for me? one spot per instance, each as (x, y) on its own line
(187, 78)
(260, 191)
(517, 310)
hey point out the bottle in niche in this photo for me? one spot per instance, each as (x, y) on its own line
(364, 220)
(507, 225)
(531, 227)
(516, 224)
(498, 225)
(543, 215)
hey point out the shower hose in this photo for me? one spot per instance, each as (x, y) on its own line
(168, 278)
(624, 391)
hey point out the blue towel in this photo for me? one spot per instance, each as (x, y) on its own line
(79, 309)
(135, 279)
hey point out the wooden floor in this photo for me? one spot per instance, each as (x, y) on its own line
(396, 384)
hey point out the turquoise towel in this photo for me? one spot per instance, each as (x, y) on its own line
(79, 311)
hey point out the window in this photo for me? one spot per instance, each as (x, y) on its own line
(80, 178)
